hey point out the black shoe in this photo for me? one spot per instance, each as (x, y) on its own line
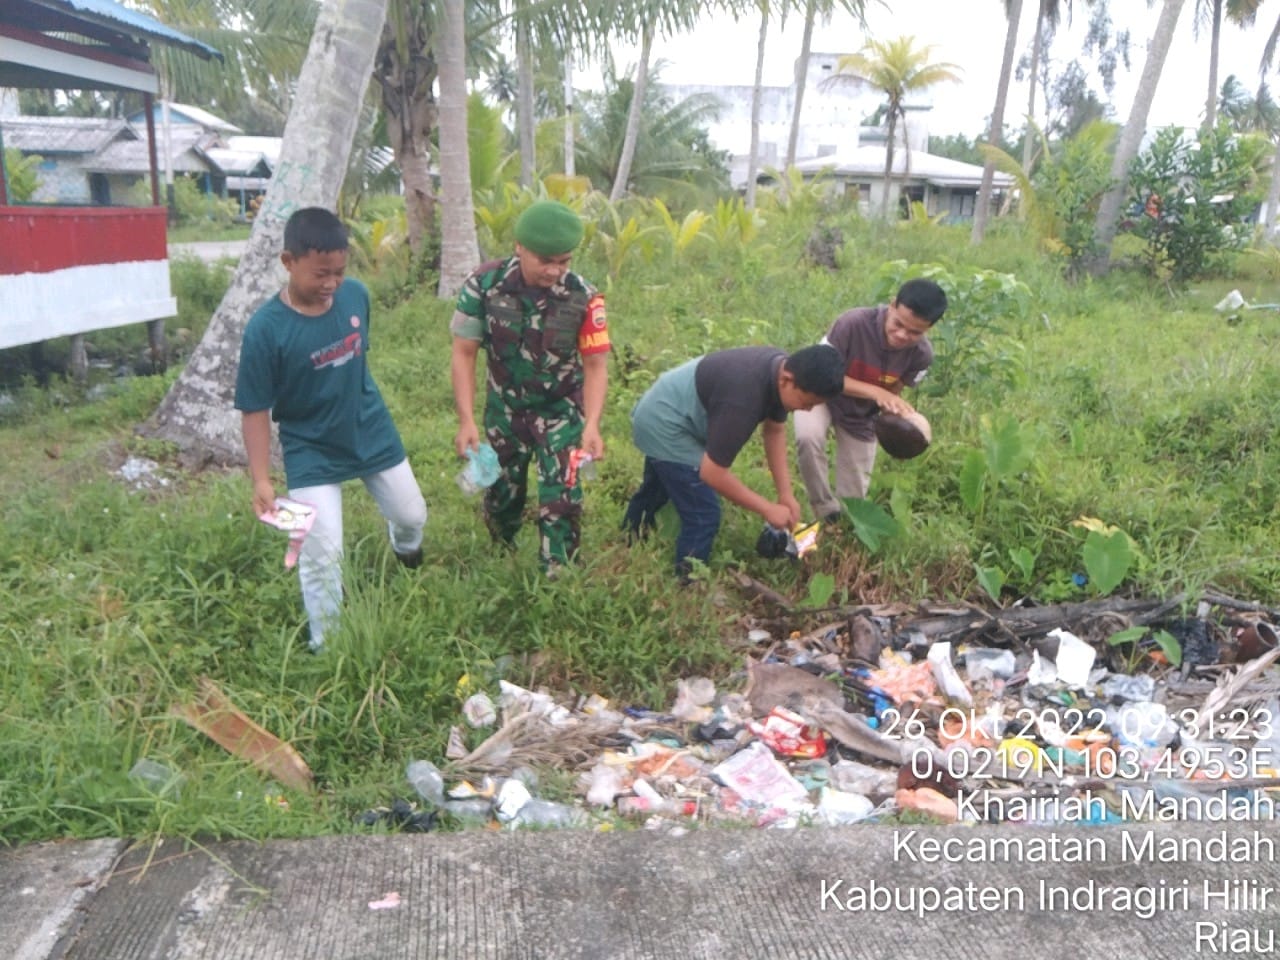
(834, 517)
(410, 561)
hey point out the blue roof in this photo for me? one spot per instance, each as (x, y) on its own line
(121, 18)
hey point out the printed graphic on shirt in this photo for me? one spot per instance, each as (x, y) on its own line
(338, 353)
(865, 372)
(593, 335)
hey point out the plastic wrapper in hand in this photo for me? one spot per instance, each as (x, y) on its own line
(295, 518)
(481, 470)
(774, 542)
(582, 466)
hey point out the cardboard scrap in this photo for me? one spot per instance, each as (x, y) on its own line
(218, 718)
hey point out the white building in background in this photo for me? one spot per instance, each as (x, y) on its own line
(834, 144)
(831, 115)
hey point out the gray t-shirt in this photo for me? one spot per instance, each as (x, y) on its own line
(710, 405)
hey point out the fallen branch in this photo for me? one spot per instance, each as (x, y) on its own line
(755, 588)
(218, 719)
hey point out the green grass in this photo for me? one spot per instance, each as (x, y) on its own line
(1146, 411)
(208, 230)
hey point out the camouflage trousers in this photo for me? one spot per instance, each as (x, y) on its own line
(546, 437)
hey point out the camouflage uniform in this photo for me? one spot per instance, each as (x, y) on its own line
(533, 341)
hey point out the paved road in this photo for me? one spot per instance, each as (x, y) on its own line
(843, 893)
(210, 251)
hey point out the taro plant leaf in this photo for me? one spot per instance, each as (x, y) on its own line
(1170, 646)
(973, 477)
(822, 586)
(1167, 642)
(1008, 449)
(1107, 559)
(991, 579)
(871, 523)
(1128, 635)
(1024, 560)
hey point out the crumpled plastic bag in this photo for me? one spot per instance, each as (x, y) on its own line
(295, 518)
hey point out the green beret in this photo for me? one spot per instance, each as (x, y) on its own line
(548, 228)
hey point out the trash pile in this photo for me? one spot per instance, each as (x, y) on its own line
(1097, 712)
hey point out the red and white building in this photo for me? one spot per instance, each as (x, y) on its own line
(66, 270)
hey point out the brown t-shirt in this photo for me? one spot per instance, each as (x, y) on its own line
(858, 335)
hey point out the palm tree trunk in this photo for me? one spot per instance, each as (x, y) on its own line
(1036, 43)
(1211, 102)
(458, 248)
(197, 413)
(406, 77)
(632, 135)
(1273, 198)
(524, 96)
(886, 210)
(982, 208)
(802, 77)
(757, 92)
(568, 116)
(1108, 219)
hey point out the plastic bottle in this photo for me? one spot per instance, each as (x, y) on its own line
(156, 777)
(644, 806)
(548, 813)
(426, 778)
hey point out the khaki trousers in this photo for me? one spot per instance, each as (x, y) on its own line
(854, 461)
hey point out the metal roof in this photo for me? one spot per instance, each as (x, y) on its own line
(118, 17)
(63, 135)
(133, 156)
(868, 163)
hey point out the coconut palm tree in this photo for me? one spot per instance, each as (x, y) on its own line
(197, 413)
(982, 208)
(813, 9)
(757, 95)
(898, 69)
(1048, 15)
(1240, 12)
(405, 69)
(1131, 135)
(674, 159)
(642, 21)
(262, 41)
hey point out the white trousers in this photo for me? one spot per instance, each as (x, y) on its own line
(854, 461)
(320, 563)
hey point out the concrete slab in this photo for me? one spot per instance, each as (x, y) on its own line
(44, 889)
(1159, 892)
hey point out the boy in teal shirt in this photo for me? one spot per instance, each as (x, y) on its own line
(303, 364)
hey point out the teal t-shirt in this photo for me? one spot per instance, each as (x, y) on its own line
(669, 422)
(710, 405)
(313, 374)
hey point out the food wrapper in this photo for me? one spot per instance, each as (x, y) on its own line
(789, 734)
(804, 538)
(581, 465)
(295, 518)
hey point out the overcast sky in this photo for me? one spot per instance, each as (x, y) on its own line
(722, 51)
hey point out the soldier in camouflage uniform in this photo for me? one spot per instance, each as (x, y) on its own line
(546, 344)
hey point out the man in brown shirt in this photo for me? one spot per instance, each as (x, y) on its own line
(884, 349)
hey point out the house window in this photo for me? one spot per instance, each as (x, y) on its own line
(99, 190)
(962, 204)
(859, 193)
(908, 196)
